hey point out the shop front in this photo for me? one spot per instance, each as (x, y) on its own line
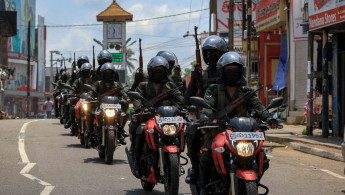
(271, 26)
(327, 20)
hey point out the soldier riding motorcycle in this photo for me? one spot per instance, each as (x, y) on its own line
(222, 103)
(212, 49)
(79, 113)
(159, 119)
(70, 117)
(108, 108)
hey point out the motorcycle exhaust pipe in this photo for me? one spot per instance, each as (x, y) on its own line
(161, 161)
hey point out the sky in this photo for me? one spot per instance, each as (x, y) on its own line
(157, 35)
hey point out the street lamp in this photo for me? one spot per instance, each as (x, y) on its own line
(98, 42)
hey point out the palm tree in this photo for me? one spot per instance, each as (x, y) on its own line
(129, 56)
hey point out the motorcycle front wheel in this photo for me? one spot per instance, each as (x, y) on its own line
(251, 188)
(171, 184)
(109, 146)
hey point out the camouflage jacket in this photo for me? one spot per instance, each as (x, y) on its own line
(178, 81)
(77, 85)
(218, 97)
(146, 89)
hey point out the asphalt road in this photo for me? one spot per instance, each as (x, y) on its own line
(55, 163)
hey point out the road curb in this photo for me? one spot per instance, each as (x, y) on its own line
(317, 151)
(307, 149)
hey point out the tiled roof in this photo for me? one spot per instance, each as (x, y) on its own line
(114, 12)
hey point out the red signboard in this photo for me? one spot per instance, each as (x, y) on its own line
(266, 9)
(327, 18)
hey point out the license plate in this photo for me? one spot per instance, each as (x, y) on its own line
(246, 136)
(164, 120)
(112, 106)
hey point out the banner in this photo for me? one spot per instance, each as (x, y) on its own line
(41, 54)
(297, 15)
(14, 42)
(223, 13)
(323, 13)
(28, 12)
(281, 79)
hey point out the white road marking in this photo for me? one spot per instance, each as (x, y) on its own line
(29, 165)
(331, 173)
(269, 156)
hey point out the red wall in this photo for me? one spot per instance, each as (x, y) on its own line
(273, 51)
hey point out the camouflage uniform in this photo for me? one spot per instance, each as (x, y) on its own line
(77, 85)
(218, 97)
(178, 81)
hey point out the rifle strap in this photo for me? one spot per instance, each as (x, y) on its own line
(221, 97)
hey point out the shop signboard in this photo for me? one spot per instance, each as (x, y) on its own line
(323, 13)
(270, 15)
(223, 14)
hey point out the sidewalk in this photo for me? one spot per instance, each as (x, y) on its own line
(291, 135)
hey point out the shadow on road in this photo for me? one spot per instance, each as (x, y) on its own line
(75, 146)
(57, 124)
(101, 161)
(141, 191)
(65, 134)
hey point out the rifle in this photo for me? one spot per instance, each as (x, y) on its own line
(57, 74)
(93, 60)
(140, 58)
(236, 103)
(197, 66)
(111, 92)
(74, 63)
(160, 97)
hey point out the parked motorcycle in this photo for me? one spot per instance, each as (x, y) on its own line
(161, 152)
(238, 153)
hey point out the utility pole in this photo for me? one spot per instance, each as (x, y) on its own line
(28, 75)
(325, 52)
(231, 25)
(244, 9)
(51, 71)
(249, 38)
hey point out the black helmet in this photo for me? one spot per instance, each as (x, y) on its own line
(81, 60)
(231, 58)
(85, 70)
(170, 57)
(158, 76)
(103, 57)
(108, 71)
(214, 43)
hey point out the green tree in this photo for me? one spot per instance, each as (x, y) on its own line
(188, 71)
(129, 56)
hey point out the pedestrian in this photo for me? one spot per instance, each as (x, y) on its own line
(48, 107)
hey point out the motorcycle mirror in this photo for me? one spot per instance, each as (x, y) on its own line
(198, 101)
(276, 102)
(88, 87)
(54, 84)
(135, 95)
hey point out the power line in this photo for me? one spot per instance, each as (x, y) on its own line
(147, 19)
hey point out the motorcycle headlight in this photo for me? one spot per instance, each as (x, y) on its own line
(110, 112)
(85, 107)
(245, 148)
(169, 129)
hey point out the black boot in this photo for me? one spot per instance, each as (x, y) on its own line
(193, 175)
(123, 133)
(122, 141)
(67, 123)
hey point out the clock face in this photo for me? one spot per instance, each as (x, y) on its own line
(114, 31)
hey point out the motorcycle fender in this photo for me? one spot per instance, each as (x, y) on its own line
(248, 175)
(149, 136)
(182, 141)
(219, 141)
(170, 149)
(140, 130)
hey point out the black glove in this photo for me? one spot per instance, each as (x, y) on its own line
(196, 74)
(139, 77)
(204, 119)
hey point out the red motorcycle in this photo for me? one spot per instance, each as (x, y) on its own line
(161, 151)
(238, 154)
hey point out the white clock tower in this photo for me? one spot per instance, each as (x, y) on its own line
(114, 32)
